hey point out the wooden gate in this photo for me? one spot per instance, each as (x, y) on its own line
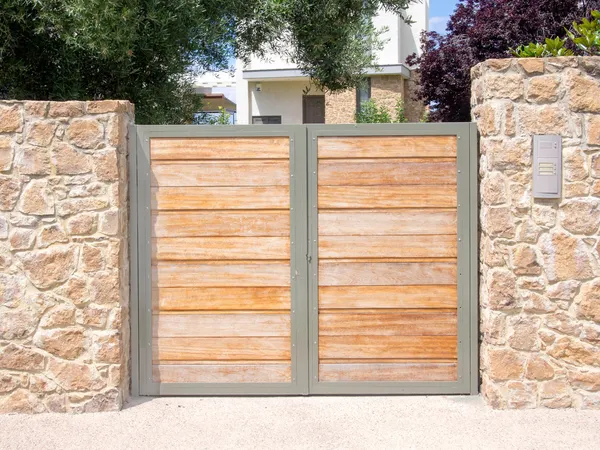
(390, 240)
(296, 260)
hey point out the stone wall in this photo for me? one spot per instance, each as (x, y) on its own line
(414, 109)
(540, 259)
(385, 90)
(64, 337)
(340, 107)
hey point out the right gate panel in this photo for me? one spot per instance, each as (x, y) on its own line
(386, 297)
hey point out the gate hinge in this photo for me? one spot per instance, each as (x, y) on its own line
(309, 258)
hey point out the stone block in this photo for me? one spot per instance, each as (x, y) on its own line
(11, 119)
(85, 133)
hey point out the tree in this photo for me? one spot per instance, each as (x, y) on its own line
(148, 51)
(482, 29)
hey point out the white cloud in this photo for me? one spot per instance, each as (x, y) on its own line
(438, 23)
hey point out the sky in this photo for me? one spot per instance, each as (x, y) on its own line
(439, 13)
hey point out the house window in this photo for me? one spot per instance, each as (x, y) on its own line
(266, 120)
(363, 93)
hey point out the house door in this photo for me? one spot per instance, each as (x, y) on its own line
(313, 109)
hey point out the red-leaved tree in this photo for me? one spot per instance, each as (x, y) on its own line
(479, 30)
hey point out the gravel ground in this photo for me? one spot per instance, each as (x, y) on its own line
(305, 423)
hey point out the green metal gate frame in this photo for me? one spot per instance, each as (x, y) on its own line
(304, 259)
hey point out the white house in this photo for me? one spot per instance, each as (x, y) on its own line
(272, 91)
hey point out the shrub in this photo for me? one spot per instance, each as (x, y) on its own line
(552, 47)
(585, 37)
(400, 113)
(371, 113)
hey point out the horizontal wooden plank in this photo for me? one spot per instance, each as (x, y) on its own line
(349, 197)
(389, 372)
(217, 362)
(176, 198)
(386, 146)
(222, 373)
(231, 248)
(373, 311)
(174, 274)
(426, 297)
(220, 223)
(221, 299)
(360, 361)
(401, 222)
(388, 324)
(369, 172)
(219, 148)
(221, 348)
(226, 325)
(421, 246)
(332, 273)
(221, 173)
(419, 347)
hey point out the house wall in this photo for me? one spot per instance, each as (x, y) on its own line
(279, 98)
(400, 41)
(540, 258)
(64, 271)
(410, 35)
(386, 90)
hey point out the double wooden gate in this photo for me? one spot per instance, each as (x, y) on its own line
(304, 259)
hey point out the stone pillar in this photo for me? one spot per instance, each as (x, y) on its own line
(540, 259)
(64, 271)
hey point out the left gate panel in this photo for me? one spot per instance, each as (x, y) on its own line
(221, 260)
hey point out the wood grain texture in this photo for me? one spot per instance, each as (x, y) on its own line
(371, 172)
(332, 273)
(222, 373)
(387, 146)
(221, 299)
(231, 248)
(182, 198)
(174, 274)
(349, 197)
(221, 348)
(221, 173)
(404, 297)
(422, 246)
(382, 223)
(388, 324)
(389, 372)
(225, 325)
(220, 223)
(219, 148)
(419, 347)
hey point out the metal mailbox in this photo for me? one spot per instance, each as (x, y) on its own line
(547, 166)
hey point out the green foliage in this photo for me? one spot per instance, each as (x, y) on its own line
(369, 112)
(221, 118)
(425, 116)
(150, 51)
(552, 47)
(400, 113)
(586, 35)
